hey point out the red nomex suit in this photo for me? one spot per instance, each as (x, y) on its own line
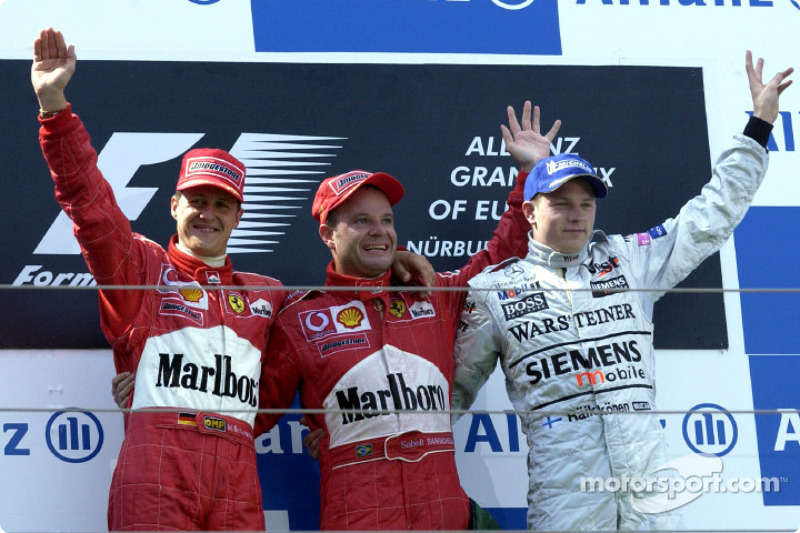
(194, 350)
(373, 352)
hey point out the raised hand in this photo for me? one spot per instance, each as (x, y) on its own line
(765, 96)
(53, 67)
(526, 143)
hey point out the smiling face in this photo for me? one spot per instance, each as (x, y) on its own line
(360, 234)
(206, 217)
(563, 219)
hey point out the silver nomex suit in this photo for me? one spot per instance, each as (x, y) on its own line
(589, 352)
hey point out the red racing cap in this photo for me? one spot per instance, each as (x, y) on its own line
(333, 191)
(210, 166)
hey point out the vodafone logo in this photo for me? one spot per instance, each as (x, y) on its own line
(317, 321)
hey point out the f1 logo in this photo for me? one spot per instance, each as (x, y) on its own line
(119, 160)
(262, 153)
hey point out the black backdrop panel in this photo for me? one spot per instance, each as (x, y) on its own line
(435, 127)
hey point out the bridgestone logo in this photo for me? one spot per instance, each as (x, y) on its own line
(339, 344)
(197, 166)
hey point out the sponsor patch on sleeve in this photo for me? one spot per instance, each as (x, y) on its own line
(658, 231)
(645, 239)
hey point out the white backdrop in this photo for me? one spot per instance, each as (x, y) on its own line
(44, 489)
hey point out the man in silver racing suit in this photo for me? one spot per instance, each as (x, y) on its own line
(572, 338)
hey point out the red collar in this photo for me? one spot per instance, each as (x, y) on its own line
(198, 270)
(365, 289)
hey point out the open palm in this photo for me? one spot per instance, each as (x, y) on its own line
(53, 64)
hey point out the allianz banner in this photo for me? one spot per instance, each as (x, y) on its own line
(434, 127)
(415, 26)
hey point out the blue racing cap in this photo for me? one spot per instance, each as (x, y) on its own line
(551, 173)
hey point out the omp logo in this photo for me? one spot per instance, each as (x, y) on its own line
(279, 168)
(710, 429)
(74, 436)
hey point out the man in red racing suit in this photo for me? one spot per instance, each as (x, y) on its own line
(380, 363)
(196, 351)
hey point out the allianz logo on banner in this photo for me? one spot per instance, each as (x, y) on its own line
(776, 400)
(687, 3)
(408, 26)
(72, 436)
(709, 429)
(513, 5)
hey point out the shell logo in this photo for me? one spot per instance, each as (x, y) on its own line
(350, 317)
(191, 295)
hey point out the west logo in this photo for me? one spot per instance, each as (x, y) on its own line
(603, 268)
